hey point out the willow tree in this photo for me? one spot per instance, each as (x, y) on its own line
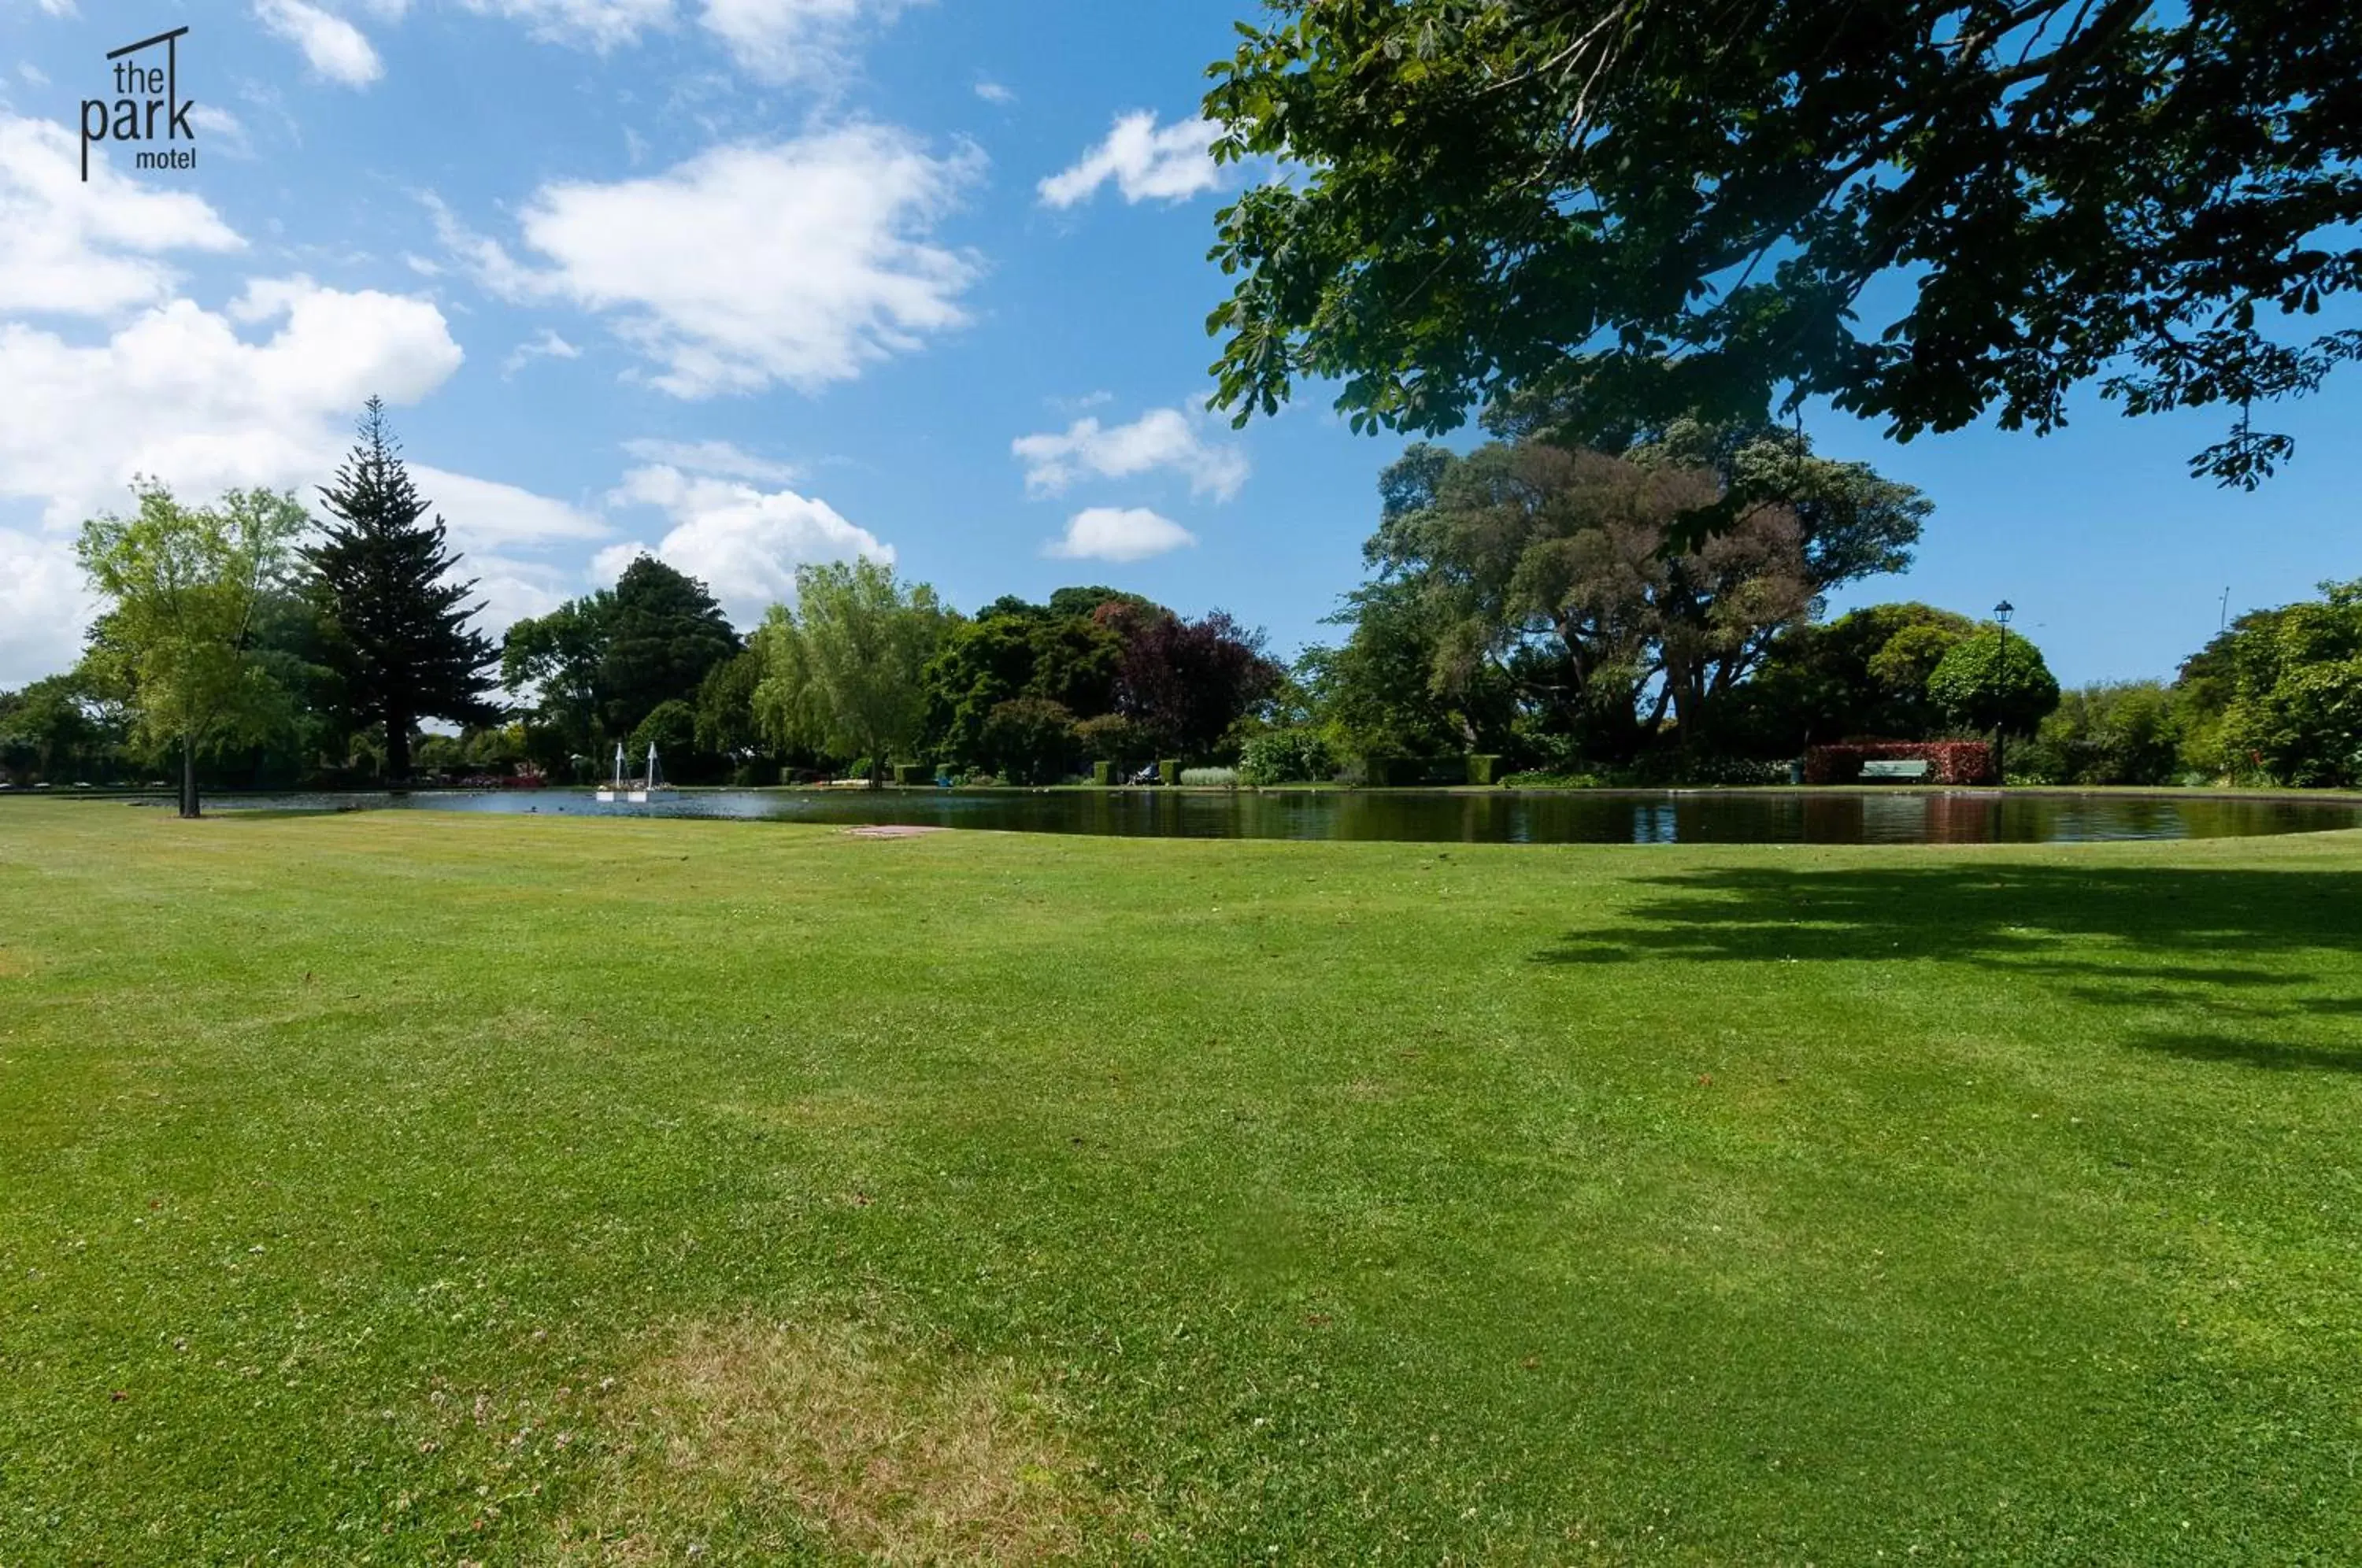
(185, 589)
(844, 667)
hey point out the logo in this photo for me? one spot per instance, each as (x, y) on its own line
(149, 108)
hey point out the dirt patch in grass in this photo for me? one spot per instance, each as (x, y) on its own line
(739, 1441)
(892, 830)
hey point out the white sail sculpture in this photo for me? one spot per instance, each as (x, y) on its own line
(636, 791)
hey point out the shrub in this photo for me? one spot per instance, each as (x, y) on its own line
(1285, 756)
(1949, 762)
(1210, 778)
(1547, 780)
(1105, 773)
(1378, 771)
(913, 775)
(1168, 770)
(1482, 768)
(1029, 739)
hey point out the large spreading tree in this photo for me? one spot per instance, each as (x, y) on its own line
(185, 589)
(402, 645)
(1926, 210)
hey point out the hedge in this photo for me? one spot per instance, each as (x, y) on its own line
(1168, 770)
(1104, 773)
(910, 774)
(1949, 762)
(1482, 768)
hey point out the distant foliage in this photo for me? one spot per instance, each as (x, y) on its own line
(1287, 757)
(1210, 778)
(1995, 679)
(2123, 732)
(2277, 698)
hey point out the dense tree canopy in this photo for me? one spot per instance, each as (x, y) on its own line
(663, 632)
(1527, 574)
(844, 667)
(2278, 696)
(184, 590)
(1928, 211)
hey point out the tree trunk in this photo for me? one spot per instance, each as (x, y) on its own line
(188, 776)
(397, 750)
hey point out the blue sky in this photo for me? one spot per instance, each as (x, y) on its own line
(754, 282)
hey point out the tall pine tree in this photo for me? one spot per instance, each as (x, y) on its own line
(402, 646)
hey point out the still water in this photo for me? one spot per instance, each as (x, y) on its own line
(1556, 817)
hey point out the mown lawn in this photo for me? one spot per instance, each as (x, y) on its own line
(409, 1188)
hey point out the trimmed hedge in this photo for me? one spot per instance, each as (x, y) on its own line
(1949, 762)
(1168, 770)
(913, 774)
(1107, 773)
(1376, 771)
(1482, 768)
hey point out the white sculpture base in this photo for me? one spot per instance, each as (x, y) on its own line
(633, 797)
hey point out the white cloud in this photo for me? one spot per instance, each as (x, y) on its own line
(336, 48)
(548, 345)
(177, 392)
(719, 457)
(88, 250)
(43, 607)
(1118, 534)
(993, 92)
(225, 129)
(800, 261)
(1161, 438)
(1146, 163)
(33, 74)
(745, 543)
(485, 516)
(589, 24)
(786, 40)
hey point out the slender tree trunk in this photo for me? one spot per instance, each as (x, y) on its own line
(188, 775)
(397, 750)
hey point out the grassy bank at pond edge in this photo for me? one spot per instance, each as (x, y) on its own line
(408, 1187)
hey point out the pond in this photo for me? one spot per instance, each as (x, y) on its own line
(1901, 816)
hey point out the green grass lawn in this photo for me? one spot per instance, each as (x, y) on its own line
(411, 1187)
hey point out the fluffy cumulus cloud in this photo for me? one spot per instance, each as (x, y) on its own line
(1118, 534)
(1146, 163)
(1162, 438)
(333, 46)
(799, 261)
(742, 542)
(72, 249)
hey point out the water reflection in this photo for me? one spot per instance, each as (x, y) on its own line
(1503, 817)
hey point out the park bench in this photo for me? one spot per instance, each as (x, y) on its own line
(1897, 767)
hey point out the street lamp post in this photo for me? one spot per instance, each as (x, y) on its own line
(2001, 612)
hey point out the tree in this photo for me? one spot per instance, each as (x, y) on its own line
(1553, 572)
(1014, 650)
(843, 668)
(183, 588)
(2280, 693)
(401, 646)
(1029, 740)
(662, 631)
(2119, 732)
(555, 659)
(53, 730)
(1642, 211)
(1994, 680)
(1861, 676)
(727, 726)
(1186, 683)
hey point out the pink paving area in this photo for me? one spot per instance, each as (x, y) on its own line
(890, 830)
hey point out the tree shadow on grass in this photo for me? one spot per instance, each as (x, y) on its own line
(2245, 945)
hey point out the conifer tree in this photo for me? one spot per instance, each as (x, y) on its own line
(402, 645)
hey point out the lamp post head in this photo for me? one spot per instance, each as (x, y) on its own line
(2004, 611)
